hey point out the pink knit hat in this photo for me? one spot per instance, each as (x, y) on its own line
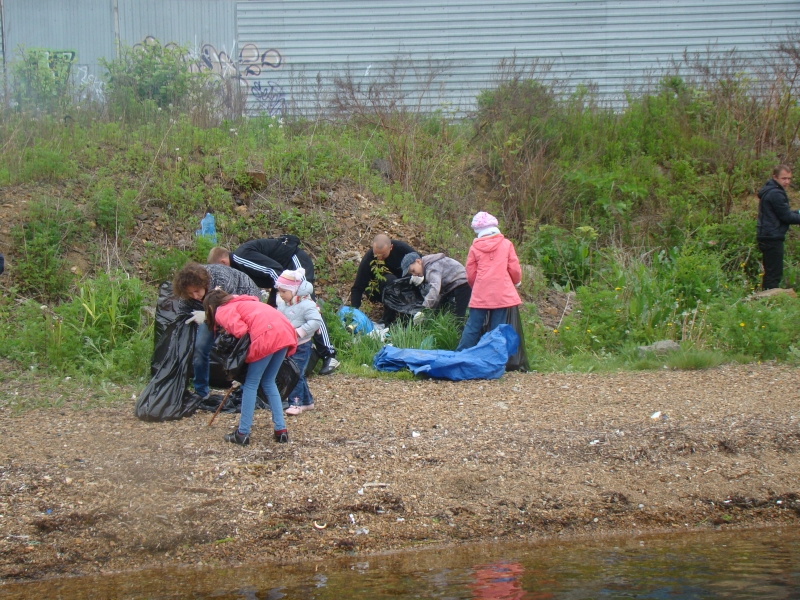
(290, 280)
(483, 220)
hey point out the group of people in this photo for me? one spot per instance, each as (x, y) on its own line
(239, 291)
(232, 285)
(230, 292)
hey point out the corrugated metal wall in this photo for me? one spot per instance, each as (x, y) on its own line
(193, 23)
(286, 53)
(604, 41)
(83, 26)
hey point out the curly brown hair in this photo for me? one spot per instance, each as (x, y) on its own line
(192, 275)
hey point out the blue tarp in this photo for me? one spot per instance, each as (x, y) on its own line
(357, 318)
(487, 360)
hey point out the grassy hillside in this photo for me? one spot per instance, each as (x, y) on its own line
(645, 211)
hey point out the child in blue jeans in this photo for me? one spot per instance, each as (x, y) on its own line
(303, 313)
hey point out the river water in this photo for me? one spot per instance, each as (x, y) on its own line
(749, 564)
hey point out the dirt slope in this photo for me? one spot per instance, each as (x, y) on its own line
(394, 464)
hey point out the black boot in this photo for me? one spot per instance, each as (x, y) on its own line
(237, 438)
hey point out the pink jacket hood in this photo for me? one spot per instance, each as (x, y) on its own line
(492, 272)
(269, 330)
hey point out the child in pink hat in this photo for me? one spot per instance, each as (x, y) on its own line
(493, 272)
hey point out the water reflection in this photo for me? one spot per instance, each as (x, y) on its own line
(754, 564)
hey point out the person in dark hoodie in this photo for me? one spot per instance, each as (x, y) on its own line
(447, 279)
(381, 265)
(774, 218)
(264, 260)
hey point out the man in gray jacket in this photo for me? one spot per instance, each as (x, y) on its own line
(447, 279)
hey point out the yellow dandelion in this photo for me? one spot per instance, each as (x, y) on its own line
(741, 324)
(555, 330)
(567, 328)
(617, 289)
(588, 331)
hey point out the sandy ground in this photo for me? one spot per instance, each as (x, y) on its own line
(388, 464)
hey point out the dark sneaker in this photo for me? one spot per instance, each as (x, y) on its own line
(237, 438)
(329, 365)
(282, 436)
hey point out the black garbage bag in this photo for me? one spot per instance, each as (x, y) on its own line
(519, 360)
(165, 397)
(403, 296)
(286, 379)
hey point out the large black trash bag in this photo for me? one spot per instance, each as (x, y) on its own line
(165, 397)
(403, 296)
(286, 379)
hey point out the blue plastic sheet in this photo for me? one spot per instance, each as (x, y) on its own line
(487, 360)
(353, 316)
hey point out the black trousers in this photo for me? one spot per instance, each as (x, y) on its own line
(389, 315)
(457, 300)
(772, 252)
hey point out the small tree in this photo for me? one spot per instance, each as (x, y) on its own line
(151, 73)
(41, 78)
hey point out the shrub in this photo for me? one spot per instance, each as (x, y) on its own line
(150, 73)
(41, 78)
(50, 226)
(114, 212)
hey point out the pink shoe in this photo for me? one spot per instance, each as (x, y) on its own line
(294, 410)
(307, 407)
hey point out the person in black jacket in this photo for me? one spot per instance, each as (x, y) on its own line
(381, 265)
(774, 218)
(264, 260)
(2, 264)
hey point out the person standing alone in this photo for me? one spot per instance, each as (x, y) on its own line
(774, 218)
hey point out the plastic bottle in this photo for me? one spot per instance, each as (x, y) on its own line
(208, 228)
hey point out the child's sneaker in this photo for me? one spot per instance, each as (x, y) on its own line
(294, 409)
(237, 438)
(281, 436)
(307, 407)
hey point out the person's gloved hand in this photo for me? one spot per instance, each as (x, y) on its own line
(417, 279)
(198, 316)
(516, 285)
(418, 318)
(301, 333)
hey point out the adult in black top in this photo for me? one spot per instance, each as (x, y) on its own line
(264, 260)
(774, 218)
(384, 257)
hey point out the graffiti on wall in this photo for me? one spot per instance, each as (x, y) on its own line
(240, 73)
(91, 86)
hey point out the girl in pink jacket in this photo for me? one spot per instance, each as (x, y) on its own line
(493, 272)
(272, 338)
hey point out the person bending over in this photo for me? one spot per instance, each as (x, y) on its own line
(191, 284)
(381, 265)
(272, 338)
(263, 260)
(447, 279)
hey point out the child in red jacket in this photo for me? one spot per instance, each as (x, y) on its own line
(493, 273)
(272, 338)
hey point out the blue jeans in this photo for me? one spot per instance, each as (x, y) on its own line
(301, 395)
(262, 372)
(203, 343)
(477, 317)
